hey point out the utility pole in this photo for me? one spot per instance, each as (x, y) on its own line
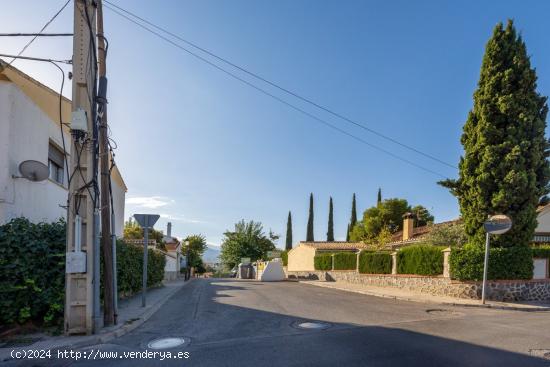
(82, 275)
(106, 241)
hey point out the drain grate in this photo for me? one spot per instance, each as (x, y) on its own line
(443, 312)
(311, 325)
(166, 343)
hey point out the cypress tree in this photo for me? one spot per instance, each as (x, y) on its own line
(379, 197)
(353, 219)
(310, 237)
(504, 167)
(347, 234)
(289, 232)
(330, 231)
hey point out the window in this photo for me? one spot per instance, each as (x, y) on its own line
(56, 164)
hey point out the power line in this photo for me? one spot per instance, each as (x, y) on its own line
(286, 90)
(314, 117)
(36, 59)
(35, 34)
(42, 30)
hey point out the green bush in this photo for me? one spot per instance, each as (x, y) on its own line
(345, 261)
(284, 257)
(130, 265)
(322, 262)
(374, 262)
(421, 260)
(32, 272)
(541, 251)
(504, 263)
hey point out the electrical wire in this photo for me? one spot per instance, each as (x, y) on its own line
(286, 90)
(314, 117)
(37, 59)
(35, 34)
(42, 30)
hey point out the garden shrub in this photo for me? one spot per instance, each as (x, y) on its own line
(541, 251)
(284, 257)
(421, 260)
(32, 272)
(322, 262)
(504, 263)
(374, 262)
(345, 261)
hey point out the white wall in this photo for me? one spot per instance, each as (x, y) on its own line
(25, 133)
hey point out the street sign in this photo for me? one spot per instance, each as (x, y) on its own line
(498, 224)
(146, 220)
(273, 254)
(245, 260)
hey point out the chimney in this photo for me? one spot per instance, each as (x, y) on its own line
(408, 226)
(169, 229)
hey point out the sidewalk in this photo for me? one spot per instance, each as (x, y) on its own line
(130, 316)
(404, 295)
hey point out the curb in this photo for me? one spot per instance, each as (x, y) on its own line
(117, 332)
(457, 304)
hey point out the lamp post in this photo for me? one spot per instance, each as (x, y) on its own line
(497, 224)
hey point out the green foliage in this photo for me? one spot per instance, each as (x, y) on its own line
(387, 214)
(504, 168)
(379, 196)
(504, 263)
(247, 240)
(541, 251)
(330, 230)
(284, 257)
(310, 236)
(197, 246)
(133, 231)
(130, 266)
(420, 259)
(289, 232)
(353, 218)
(32, 272)
(345, 261)
(374, 262)
(322, 262)
(452, 234)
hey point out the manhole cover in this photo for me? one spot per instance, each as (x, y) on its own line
(165, 343)
(443, 312)
(312, 325)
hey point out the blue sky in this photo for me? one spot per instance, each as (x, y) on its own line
(204, 150)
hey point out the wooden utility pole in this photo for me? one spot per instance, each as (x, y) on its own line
(106, 243)
(81, 287)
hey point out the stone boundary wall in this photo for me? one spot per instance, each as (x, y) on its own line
(497, 290)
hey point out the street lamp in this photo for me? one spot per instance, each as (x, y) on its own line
(497, 224)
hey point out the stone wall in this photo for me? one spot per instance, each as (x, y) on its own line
(497, 290)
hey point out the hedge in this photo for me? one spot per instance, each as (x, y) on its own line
(345, 261)
(284, 257)
(374, 262)
(504, 263)
(421, 260)
(541, 251)
(322, 262)
(32, 271)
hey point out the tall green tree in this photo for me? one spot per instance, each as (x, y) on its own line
(504, 168)
(310, 236)
(348, 234)
(289, 232)
(197, 246)
(330, 230)
(353, 218)
(379, 196)
(422, 216)
(246, 240)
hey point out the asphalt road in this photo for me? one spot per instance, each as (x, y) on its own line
(246, 323)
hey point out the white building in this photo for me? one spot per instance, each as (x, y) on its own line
(30, 130)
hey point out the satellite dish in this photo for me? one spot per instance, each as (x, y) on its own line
(34, 171)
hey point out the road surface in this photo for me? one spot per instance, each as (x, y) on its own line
(246, 323)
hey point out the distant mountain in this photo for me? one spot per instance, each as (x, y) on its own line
(211, 254)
